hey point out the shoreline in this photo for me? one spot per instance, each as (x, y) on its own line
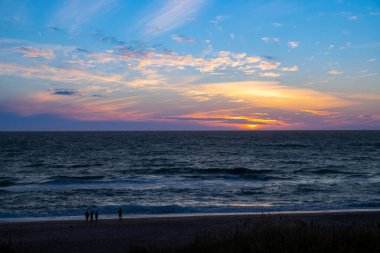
(110, 235)
(183, 215)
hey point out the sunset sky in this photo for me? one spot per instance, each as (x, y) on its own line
(189, 64)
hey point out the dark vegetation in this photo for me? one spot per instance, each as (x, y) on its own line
(6, 248)
(295, 237)
(274, 236)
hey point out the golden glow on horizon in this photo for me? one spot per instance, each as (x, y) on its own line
(274, 95)
(251, 126)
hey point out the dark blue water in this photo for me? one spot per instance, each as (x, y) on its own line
(64, 173)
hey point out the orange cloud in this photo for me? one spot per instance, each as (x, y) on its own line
(335, 72)
(290, 69)
(80, 108)
(320, 113)
(230, 118)
(272, 95)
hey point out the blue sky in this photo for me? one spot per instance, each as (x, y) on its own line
(189, 65)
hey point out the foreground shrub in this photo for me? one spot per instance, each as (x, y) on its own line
(294, 237)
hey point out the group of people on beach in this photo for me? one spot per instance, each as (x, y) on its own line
(90, 215)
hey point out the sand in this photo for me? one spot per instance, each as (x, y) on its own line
(111, 235)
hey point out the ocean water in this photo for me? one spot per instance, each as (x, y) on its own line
(55, 174)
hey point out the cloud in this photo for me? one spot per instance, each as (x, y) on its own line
(218, 19)
(320, 113)
(182, 38)
(293, 44)
(75, 13)
(290, 69)
(268, 65)
(272, 95)
(372, 60)
(335, 72)
(371, 45)
(171, 15)
(68, 75)
(98, 35)
(12, 41)
(258, 104)
(277, 24)
(353, 17)
(65, 92)
(56, 29)
(221, 61)
(79, 108)
(36, 52)
(269, 74)
(268, 40)
(242, 121)
(79, 50)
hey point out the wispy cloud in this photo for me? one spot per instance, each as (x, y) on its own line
(65, 92)
(335, 72)
(75, 13)
(353, 17)
(293, 44)
(79, 108)
(255, 104)
(370, 45)
(173, 14)
(36, 52)
(218, 20)
(290, 69)
(182, 38)
(272, 95)
(231, 120)
(268, 40)
(68, 75)
(98, 35)
(269, 74)
(320, 113)
(277, 24)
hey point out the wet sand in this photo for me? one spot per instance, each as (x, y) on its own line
(110, 235)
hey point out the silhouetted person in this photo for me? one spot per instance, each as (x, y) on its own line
(120, 211)
(96, 215)
(91, 215)
(87, 214)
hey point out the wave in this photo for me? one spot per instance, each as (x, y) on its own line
(74, 166)
(7, 182)
(322, 170)
(58, 166)
(232, 171)
(285, 145)
(35, 165)
(294, 162)
(329, 171)
(72, 179)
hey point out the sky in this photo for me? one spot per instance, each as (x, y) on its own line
(189, 65)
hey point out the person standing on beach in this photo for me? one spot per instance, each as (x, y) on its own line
(96, 215)
(120, 211)
(91, 215)
(87, 214)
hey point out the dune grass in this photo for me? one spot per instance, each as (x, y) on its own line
(292, 237)
(6, 248)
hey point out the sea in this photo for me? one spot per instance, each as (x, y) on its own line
(62, 174)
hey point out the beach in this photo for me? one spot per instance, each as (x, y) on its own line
(110, 235)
